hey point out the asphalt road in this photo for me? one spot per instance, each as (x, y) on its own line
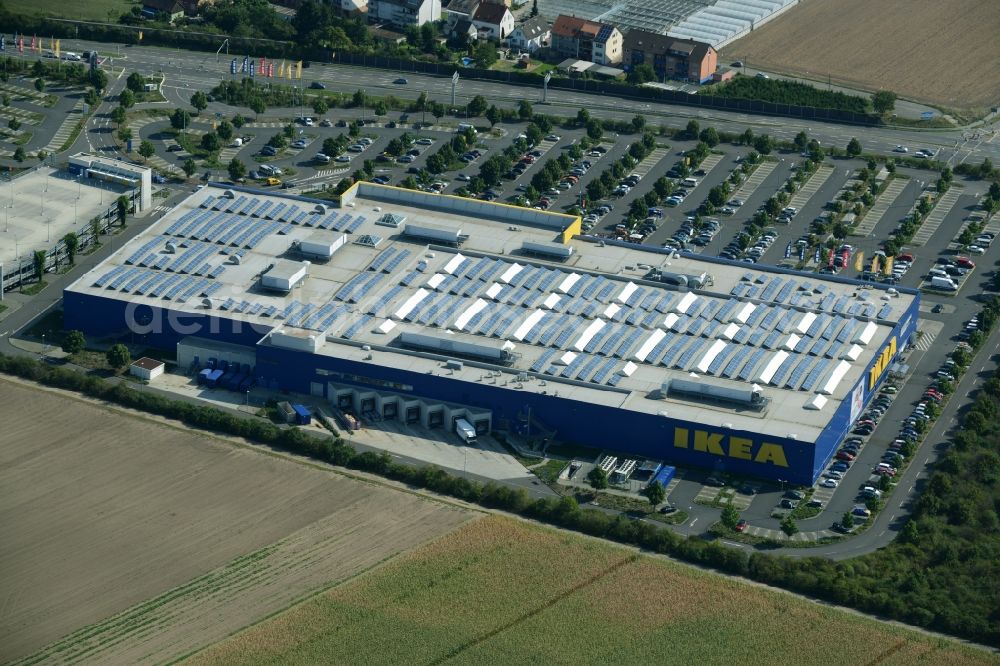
(188, 71)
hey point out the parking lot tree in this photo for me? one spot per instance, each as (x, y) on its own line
(493, 115)
(146, 149)
(730, 516)
(884, 101)
(40, 84)
(847, 521)
(225, 130)
(638, 122)
(236, 169)
(74, 342)
(394, 147)
(582, 117)
(99, 79)
(524, 110)
(135, 82)
(278, 141)
(199, 100)
(211, 142)
(543, 181)
(763, 144)
(19, 154)
(436, 164)
(189, 167)
(180, 119)
(663, 186)
(380, 108)
(772, 206)
(747, 137)
(801, 141)
(14, 124)
(597, 478)
(853, 147)
(637, 209)
(438, 110)
(717, 196)
(257, 105)
(692, 130)
(655, 493)
(6, 99)
(710, 136)
(118, 356)
(410, 183)
(788, 526)
(122, 206)
(965, 238)
(368, 167)
(126, 99)
(534, 134)
(72, 243)
(320, 106)
(477, 106)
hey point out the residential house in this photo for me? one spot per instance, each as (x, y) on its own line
(531, 35)
(574, 37)
(461, 9)
(402, 13)
(173, 9)
(670, 57)
(351, 7)
(463, 31)
(494, 21)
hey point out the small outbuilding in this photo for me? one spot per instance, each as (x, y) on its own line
(146, 368)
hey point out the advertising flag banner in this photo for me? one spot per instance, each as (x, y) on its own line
(32, 43)
(281, 69)
(246, 64)
(58, 45)
(253, 66)
(20, 43)
(260, 67)
(298, 69)
(270, 70)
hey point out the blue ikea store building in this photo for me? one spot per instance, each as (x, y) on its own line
(428, 308)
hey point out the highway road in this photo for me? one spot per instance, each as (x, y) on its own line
(187, 71)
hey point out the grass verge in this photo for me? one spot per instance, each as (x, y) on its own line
(34, 288)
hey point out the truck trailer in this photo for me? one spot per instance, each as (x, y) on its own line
(465, 430)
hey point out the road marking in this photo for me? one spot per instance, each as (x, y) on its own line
(693, 522)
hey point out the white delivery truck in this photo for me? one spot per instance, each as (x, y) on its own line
(945, 283)
(465, 430)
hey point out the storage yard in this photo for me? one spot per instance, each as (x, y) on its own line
(517, 589)
(435, 309)
(938, 52)
(130, 540)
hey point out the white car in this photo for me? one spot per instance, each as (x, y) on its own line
(901, 149)
(424, 142)
(552, 137)
(834, 474)
(829, 483)
(356, 148)
(342, 158)
(463, 177)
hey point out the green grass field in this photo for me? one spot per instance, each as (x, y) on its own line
(91, 10)
(499, 591)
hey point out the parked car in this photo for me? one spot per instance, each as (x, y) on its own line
(741, 525)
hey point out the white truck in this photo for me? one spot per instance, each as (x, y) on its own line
(465, 430)
(945, 283)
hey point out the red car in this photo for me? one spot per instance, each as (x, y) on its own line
(741, 526)
(905, 257)
(884, 472)
(845, 455)
(965, 262)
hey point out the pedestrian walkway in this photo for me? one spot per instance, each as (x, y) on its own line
(929, 330)
(816, 180)
(941, 209)
(881, 206)
(163, 209)
(65, 130)
(164, 166)
(751, 184)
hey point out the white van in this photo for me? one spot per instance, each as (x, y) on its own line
(945, 283)
(690, 182)
(467, 126)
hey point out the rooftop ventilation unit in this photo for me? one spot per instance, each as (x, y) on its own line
(229, 194)
(390, 220)
(492, 352)
(701, 391)
(437, 234)
(550, 250)
(171, 247)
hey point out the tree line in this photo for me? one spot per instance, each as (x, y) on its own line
(788, 92)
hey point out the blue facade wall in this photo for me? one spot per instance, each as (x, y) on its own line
(160, 327)
(646, 435)
(840, 424)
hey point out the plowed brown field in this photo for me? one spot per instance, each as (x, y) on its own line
(136, 542)
(939, 51)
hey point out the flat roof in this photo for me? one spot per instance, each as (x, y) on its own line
(43, 205)
(607, 325)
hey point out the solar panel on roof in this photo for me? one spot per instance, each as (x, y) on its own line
(818, 371)
(783, 370)
(885, 311)
(751, 365)
(734, 364)
(356, 327)
(799, 372)
(786, 289)
(743, 334)
(845, 334)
